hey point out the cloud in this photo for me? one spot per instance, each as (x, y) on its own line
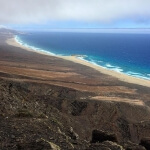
(2, 26)
(104, 11)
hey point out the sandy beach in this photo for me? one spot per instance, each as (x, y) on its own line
(120, 76)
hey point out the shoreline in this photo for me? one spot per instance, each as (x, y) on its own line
(75, 59)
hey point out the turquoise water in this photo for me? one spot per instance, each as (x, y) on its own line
(125, 53)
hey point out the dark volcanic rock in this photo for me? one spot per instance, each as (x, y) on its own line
(107, 145)
(78, 107)
(133, 146)
(146, 143)
(98, 146)
(38, 145)
(136, 148)
(101, 136)
(113, 145)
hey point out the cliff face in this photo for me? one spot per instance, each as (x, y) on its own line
(33, 113)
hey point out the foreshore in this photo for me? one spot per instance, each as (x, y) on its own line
(119, 76)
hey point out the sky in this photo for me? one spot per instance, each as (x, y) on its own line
(48, 14)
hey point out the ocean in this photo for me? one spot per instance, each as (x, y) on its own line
(128, 53)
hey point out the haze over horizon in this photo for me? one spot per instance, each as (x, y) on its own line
(48, 14)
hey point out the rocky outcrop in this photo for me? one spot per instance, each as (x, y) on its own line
(73, 134)
(54, 146)
(113, 145)
(133, 146)
(101, 136)
(104, 140)
(40, 144)
(146, 143)
(138, 147)
(107, 145)
(77, 107)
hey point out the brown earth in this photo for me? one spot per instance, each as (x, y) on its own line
(44, 98)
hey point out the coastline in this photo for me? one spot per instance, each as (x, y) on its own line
(119, 76)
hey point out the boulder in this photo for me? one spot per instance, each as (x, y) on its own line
(73, 134)
(146, 143)
(54, 146)
(101, 136)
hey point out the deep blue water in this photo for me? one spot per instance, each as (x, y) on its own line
(126, 53)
